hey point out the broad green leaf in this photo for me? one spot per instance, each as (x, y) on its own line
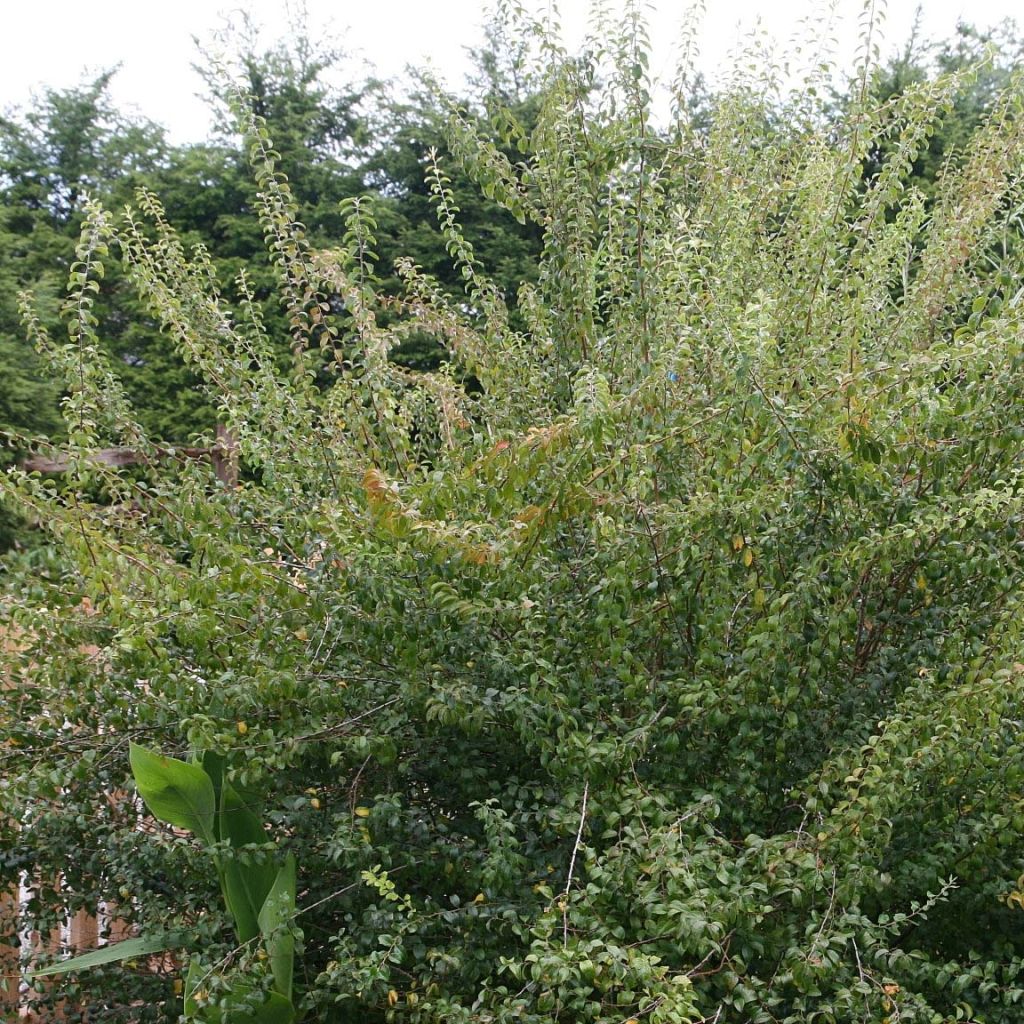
(275, 920)
(235, 1008)
(276, 1010)
(193, 977)
(213, 765)
(239, 823)
(127, 950)
(176, 792)
(245, 885)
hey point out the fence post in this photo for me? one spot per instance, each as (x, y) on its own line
(224, 456)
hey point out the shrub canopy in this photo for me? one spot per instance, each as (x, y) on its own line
(655, 659)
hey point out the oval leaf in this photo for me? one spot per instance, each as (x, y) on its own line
(180, 794)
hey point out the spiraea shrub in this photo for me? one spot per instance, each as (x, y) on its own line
(657, 659)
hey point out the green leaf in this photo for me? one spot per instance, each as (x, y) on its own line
(245, 886)
(176, 792)
(275, 921)
(239, 823)
(213, 765)
(235, 1007)
(276, 1010)
(192, 978)
(127, 950)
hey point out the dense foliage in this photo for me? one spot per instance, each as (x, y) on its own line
(340, 141)
(656, 657)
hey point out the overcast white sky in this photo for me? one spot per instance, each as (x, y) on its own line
(52, 42)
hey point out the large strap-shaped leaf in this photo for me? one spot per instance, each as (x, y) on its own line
(239, 823)
(275, 919)
(176, 792)
(236, 1009)
(193, 979)
(245, 885)
(276, 1010)
(213, 764)
(126, 950)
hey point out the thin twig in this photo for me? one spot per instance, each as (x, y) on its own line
(572, 866)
